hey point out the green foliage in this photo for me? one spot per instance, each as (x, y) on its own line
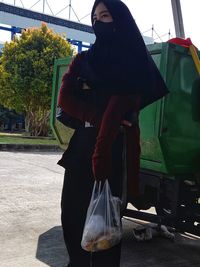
(26, 71)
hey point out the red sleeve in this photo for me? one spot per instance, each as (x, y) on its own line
(117, 107)
(70, 102)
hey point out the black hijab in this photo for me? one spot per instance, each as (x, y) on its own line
(121, 63)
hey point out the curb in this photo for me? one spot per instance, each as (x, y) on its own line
(27, 147)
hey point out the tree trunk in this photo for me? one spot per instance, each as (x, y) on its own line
(38, 122)
(27, 123)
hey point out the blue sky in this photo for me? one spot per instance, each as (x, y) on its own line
(145, 12)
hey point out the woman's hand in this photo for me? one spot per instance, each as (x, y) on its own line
(102, 166)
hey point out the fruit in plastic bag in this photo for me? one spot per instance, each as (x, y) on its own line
(103, 243)
(103, 223)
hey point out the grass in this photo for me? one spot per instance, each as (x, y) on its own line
(15, 138)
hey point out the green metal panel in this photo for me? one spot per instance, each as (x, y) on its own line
(61, 132)
(181, 139)
(170, 137)
(150, 123)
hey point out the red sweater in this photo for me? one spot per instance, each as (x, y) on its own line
(107, 120)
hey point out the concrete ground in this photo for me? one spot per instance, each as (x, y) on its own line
(30, 231)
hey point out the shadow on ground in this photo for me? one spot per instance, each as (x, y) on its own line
(184, 251)
(159, 252)
(51, 248)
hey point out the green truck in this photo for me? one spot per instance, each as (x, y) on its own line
(170, 140)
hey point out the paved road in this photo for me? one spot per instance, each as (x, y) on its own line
(30, 232)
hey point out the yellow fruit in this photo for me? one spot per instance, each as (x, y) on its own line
(103, 244)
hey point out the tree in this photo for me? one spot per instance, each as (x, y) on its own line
(26, 70)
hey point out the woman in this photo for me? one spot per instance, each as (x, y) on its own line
(104, 89)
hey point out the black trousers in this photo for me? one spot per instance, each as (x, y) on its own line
(76, 194)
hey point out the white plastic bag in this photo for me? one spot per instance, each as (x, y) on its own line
(102, 228)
